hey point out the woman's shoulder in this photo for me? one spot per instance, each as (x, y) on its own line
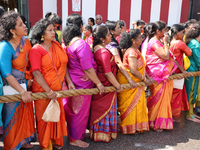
(194, 44)
(5, 45)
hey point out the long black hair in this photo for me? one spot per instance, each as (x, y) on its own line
(73, 28)
(174, 29)
(126, 38)
(98, 33)
(111, 26)
(193, 33)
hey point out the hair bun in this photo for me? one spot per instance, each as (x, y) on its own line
(48, 14)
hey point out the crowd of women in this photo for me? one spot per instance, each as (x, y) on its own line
(109, 55)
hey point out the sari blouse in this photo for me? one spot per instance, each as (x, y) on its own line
(178, 48)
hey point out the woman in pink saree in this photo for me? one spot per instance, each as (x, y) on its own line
(82, 70)
(159, 66)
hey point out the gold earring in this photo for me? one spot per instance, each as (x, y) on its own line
(14, 36)
(103, 43)
(42, 38)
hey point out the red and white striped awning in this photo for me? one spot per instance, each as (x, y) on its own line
(170, 11)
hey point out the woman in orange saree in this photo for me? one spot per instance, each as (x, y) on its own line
(160, 65)
(18, 117)
(48, 62)
(132, 102)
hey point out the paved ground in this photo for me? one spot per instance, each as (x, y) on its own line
(184, 136)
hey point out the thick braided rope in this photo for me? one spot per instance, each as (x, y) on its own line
(69, 93)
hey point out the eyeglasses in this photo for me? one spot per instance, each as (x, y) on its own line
(98, 19)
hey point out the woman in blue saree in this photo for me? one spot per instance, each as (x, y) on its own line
(18, 117)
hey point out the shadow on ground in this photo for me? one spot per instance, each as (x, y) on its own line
(184, 136)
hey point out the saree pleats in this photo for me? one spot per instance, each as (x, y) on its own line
(132, 107)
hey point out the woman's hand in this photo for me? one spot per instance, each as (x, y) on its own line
(186, 74)
(101, 88)
(120, 88)
(133, 83)
(71, 86)
(149, 81)
(165, 39)
(26, 97)
(52, 96)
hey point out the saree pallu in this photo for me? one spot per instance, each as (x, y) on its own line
(18, 117)
(51, 132)
(132, 102)
(103, 116)
(77, 107)
(159, 103)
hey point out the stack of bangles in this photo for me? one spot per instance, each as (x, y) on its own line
(144, 78)
(166, 45)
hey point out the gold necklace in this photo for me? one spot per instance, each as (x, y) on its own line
(20, 46)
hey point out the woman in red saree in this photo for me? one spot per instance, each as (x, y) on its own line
(48, 62)
(18, 117)
(103, 120)
(178, 48)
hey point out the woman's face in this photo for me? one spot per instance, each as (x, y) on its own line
(20, 28)
(162, 32)
(90, 22)
(180, 34)
(138, 41)
(86, 32)
(49, 33)
(117, 31)
(108, 38)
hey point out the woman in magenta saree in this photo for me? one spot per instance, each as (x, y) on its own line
(82, 70)
(159, 66)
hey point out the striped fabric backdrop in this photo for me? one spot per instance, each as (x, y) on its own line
(170, 11)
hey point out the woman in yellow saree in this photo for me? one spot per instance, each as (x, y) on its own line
(131, 102)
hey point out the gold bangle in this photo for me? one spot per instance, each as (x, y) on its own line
(145, 79)
(22, 92)
(129, 78)
(50, 93)
(99, 84)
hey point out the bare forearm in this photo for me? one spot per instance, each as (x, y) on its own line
(14, 83)
(137, 74)
(92, 75)
(112, 79)
(67, 77)
(179, 67)
(122, 69)
(40, 80)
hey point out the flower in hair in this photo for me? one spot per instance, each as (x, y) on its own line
(170, 32)
(69, 24)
